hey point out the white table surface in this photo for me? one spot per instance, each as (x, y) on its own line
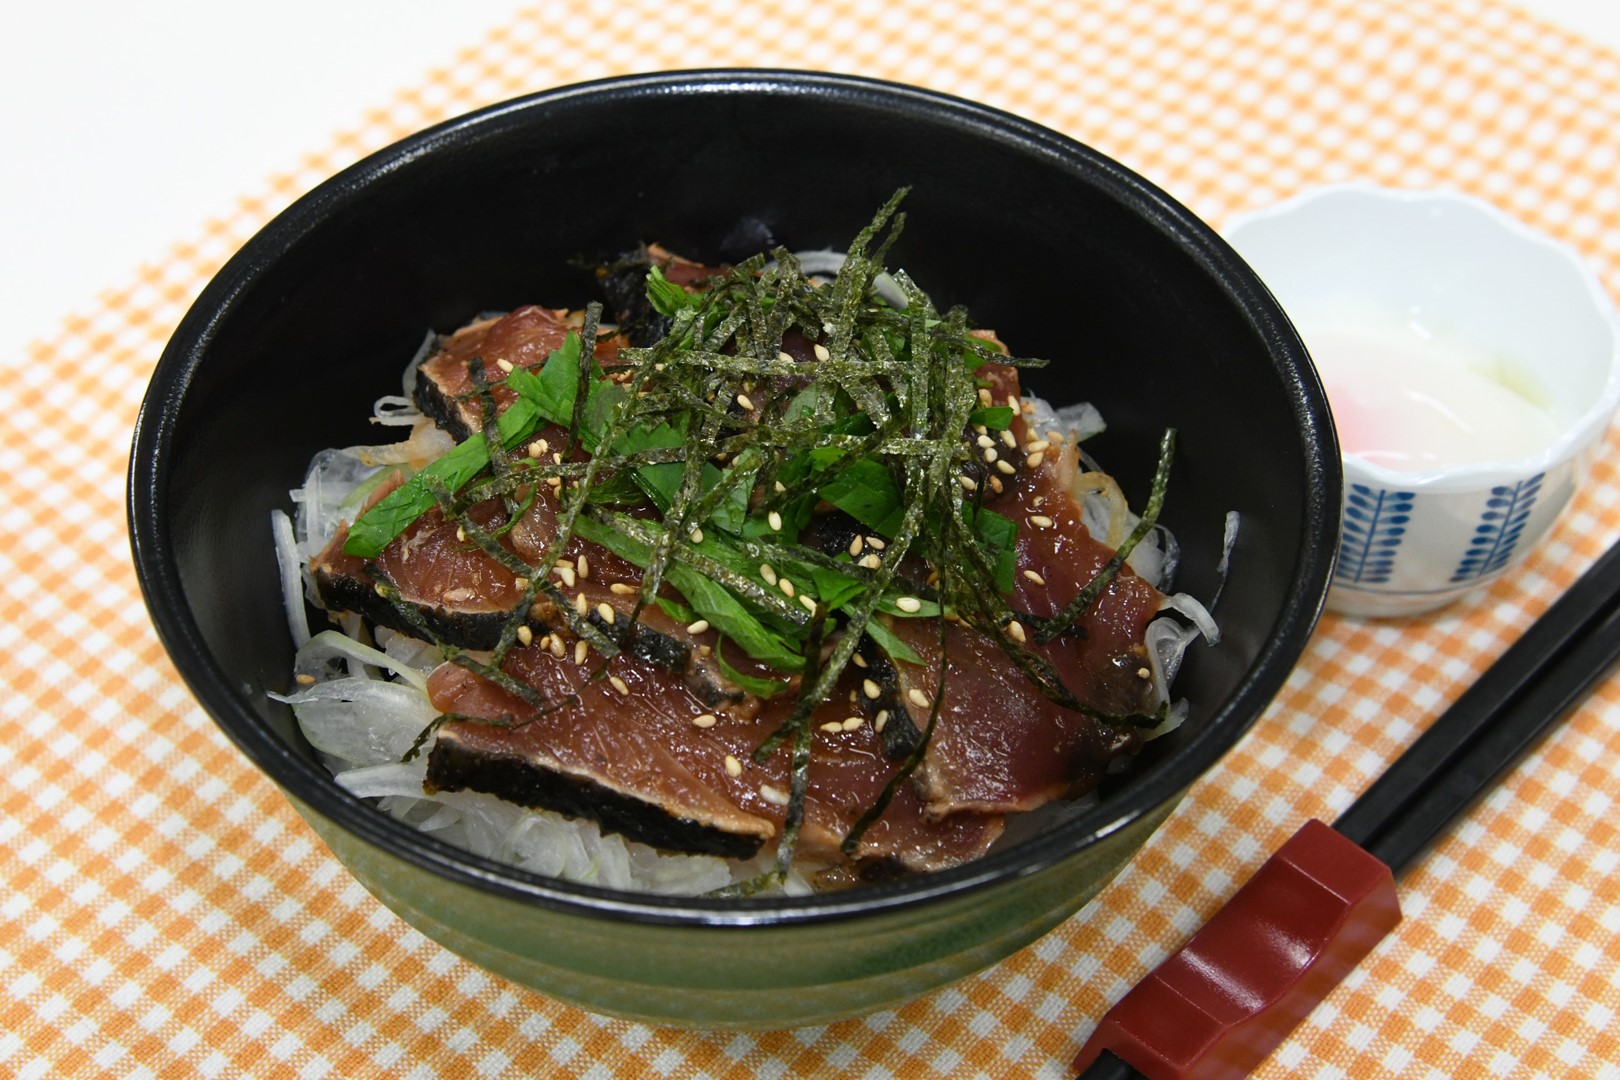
(122, 130)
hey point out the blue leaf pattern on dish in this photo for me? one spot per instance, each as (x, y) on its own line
(1374, 525)
(1506, 513)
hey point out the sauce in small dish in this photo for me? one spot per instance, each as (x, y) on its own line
(1414, 398)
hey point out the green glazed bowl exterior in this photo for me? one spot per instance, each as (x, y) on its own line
(755, 977)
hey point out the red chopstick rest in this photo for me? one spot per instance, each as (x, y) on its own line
(1220, 1005)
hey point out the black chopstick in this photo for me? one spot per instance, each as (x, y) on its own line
(1526, 691)
(1529, 688)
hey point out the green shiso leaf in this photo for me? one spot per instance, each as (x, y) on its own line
(994, 417)
(666, 297)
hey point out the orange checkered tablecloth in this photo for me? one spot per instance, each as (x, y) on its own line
(167, 913)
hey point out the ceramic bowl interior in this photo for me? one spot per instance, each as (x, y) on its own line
(1145, 311)
(1457, 270)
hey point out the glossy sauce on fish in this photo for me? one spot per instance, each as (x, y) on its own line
(658, 741)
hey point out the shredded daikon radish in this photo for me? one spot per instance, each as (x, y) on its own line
(826, 264)
(291, 564)
(315, 657)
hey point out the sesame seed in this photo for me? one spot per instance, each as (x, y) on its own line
(855, 546)
(774, 520)
(871, 689)
(871, 562)
(581, 650)
(990, 454)
(1040, 521)
(918, 698)
(766, 572)
(525, 635)
(858, 660)
(697, 536)
(1034, 460)
(582, 605)
(909, 604)
(745, 403)
(1033, 576)
(821, 351)
(774, 796)
(304, 678)
(807, 602)
(733, 766)
(986, 441)
(620, 685)
(1015, 630)
(605, 610)
(504, 364)
(558, 649)
(881, 720)
(619, 588)
(584, 567)
(968, 483)
(697, 627)
(1006, 468)
(461, 534)
(1008, 439)
(876, 543)
(786, 585)
(853, 723)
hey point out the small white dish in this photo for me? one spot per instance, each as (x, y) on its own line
(1449, 268)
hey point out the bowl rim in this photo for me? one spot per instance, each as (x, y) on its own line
(312, 789)
(1574, 436)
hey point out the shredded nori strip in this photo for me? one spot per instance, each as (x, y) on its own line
(733, 443)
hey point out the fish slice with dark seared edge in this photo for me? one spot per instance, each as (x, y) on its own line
(462, 596)
(655, 763)
(1000, 744)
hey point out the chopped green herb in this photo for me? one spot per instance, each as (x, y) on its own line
(770, 398)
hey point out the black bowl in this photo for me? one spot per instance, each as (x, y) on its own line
(1066, 253)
